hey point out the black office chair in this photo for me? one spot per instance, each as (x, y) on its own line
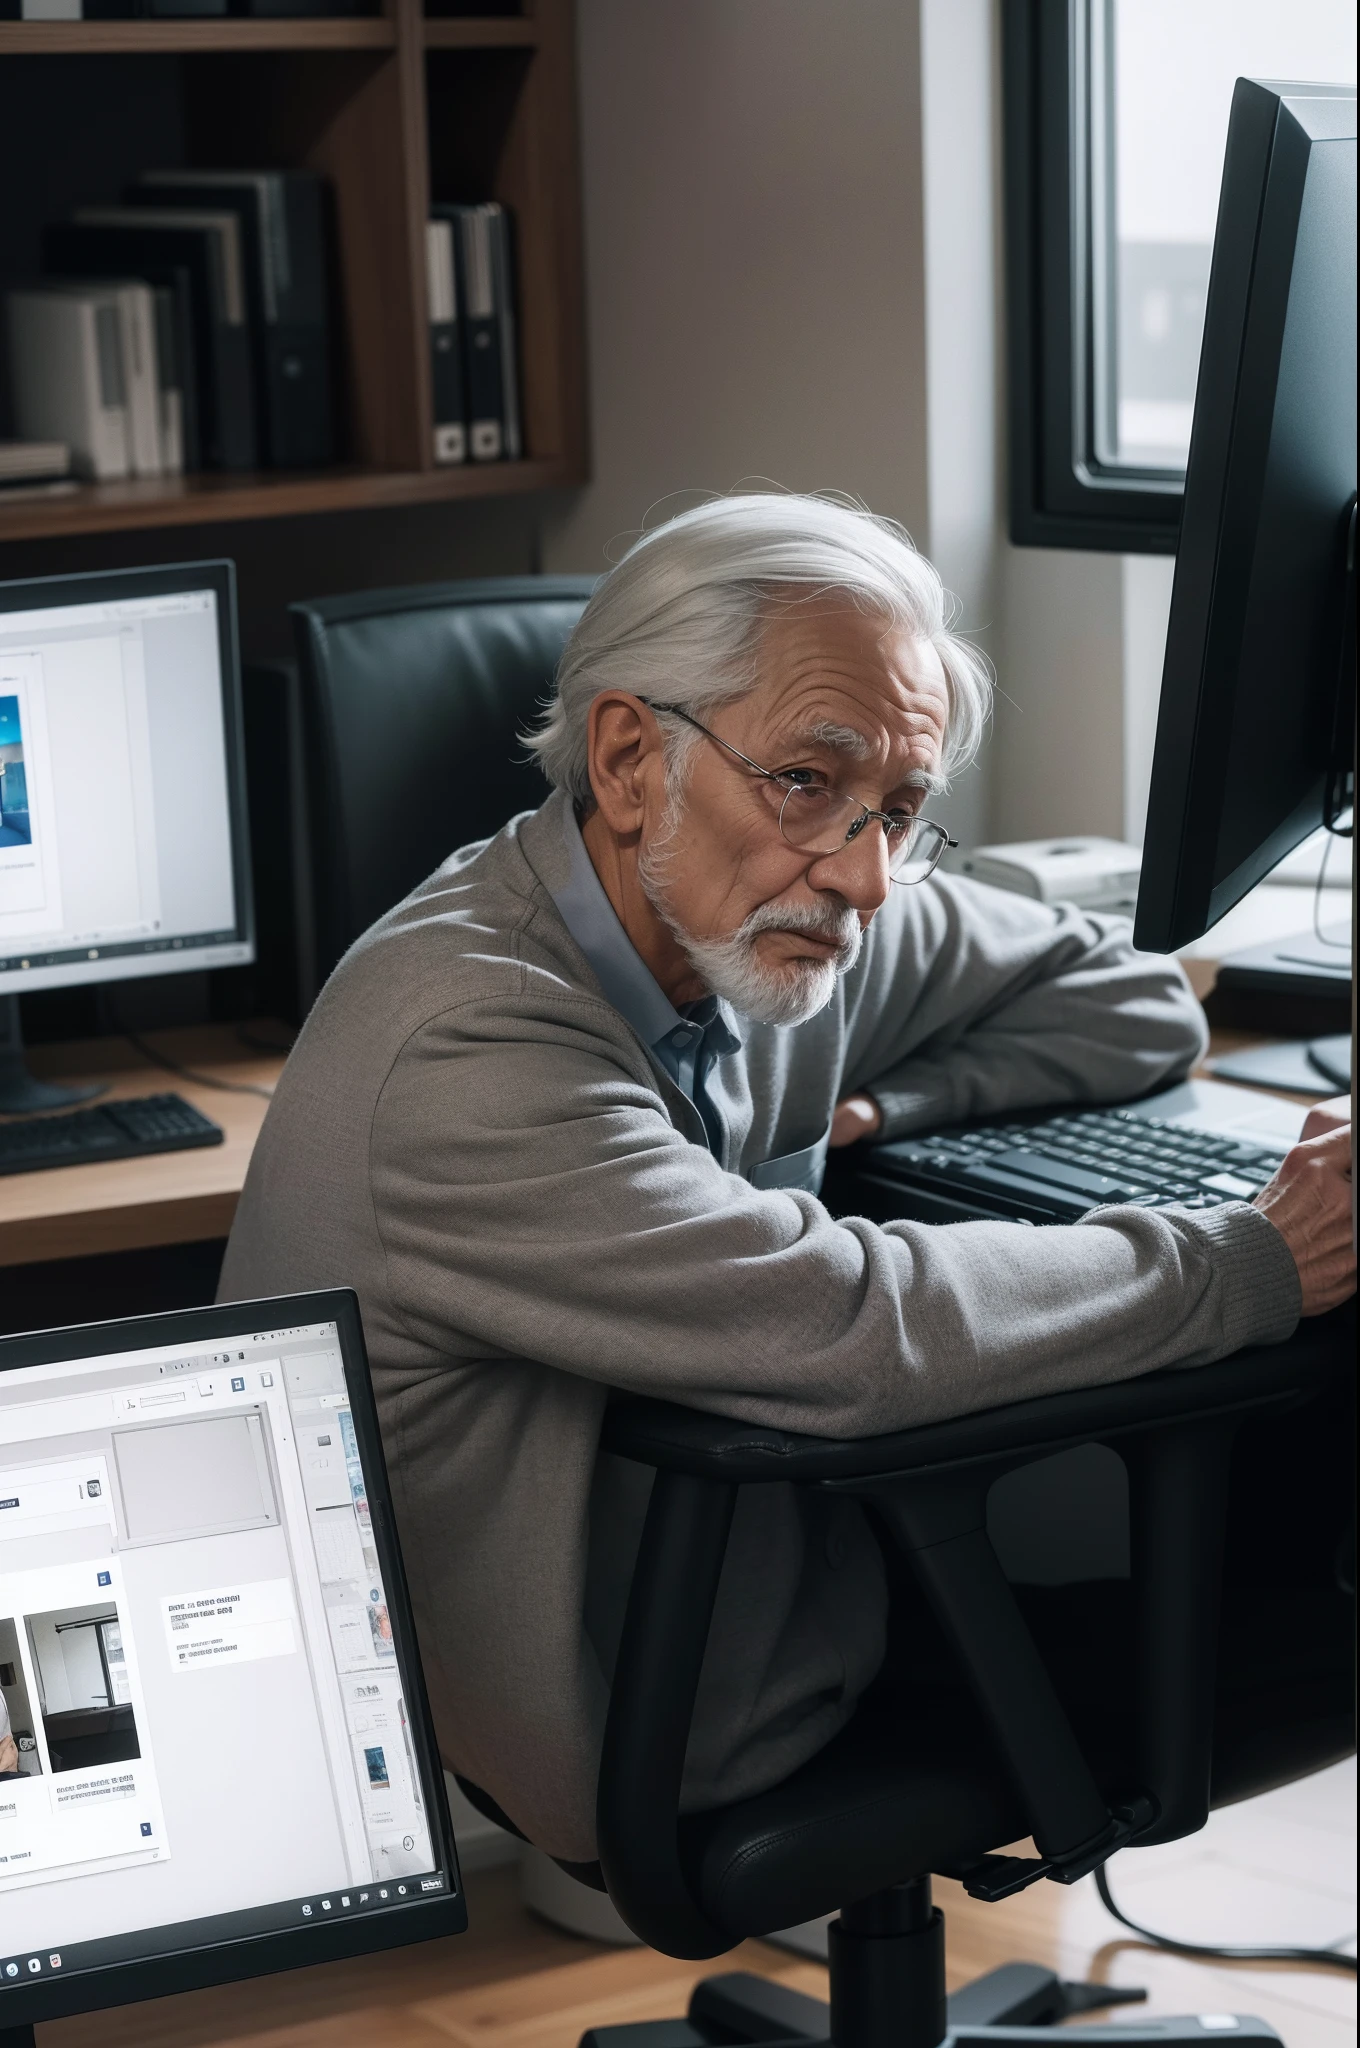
(1192, 1700)
(392, 740)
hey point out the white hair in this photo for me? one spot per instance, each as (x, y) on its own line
(678, 619)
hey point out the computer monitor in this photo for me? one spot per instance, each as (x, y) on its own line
(123, 843)
(1255, 729)
(225, 1764)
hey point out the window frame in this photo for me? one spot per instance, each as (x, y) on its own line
(1059, 223)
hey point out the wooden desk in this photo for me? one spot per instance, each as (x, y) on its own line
(172, 1198)
(68, 1212)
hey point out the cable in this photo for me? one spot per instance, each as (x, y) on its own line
(1319, 1958)
(1342, 945)
(258, 1044)
(161, 1059)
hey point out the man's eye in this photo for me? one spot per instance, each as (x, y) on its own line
(899, 822)
(799, 778)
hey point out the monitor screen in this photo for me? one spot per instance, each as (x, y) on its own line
(216, 1727)
(122, 843)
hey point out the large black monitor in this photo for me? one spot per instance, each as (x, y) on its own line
(1254, 734)
(123, 844)
(216, 1756)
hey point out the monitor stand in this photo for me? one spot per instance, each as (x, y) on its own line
(1304, 1066)
(20, 1094)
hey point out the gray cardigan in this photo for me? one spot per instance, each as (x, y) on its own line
(472, 1137)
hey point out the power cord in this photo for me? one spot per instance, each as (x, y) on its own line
(201, 1080)
(1319, 1958)
(1342, 945)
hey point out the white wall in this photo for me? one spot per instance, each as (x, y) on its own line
(792, 223)
(753, 245)
(758, 196)
(1146, 592)
(1059, 715)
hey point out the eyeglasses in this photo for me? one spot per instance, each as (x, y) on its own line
(816, 819)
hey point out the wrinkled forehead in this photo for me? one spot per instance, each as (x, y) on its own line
(841, 679)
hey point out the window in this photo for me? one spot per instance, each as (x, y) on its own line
(1116, 120)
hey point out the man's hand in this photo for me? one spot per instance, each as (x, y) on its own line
(859, 1116)
(1327, 1116)
(1309, 1202)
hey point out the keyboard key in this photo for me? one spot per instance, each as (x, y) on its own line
(1082, 1180)
(1232, 1184)
(1042, 1193)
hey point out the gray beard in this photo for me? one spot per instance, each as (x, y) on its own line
(732, 970)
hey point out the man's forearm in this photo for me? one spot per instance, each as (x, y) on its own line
(1094, 1022)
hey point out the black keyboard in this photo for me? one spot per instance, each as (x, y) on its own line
(1053, 1169)
(115, 1130)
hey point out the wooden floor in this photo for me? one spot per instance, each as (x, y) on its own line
(1280, 1869)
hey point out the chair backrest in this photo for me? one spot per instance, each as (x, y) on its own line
(411, 703)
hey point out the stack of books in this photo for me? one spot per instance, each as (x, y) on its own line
(185, 329)
(34, 469)
(470, 278)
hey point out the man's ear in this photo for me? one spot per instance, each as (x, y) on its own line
(623, 749)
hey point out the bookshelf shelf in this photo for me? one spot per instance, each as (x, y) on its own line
(205, 499)
(395, 110)
(189, 38)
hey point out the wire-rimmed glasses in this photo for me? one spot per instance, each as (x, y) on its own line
(816, 819)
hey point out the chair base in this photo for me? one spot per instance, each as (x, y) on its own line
(1017, 2003)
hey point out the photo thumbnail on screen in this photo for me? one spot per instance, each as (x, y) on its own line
(15, 825)
(84, 1693)
(19, 1756)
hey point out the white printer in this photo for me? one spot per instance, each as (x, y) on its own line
(1095, 874)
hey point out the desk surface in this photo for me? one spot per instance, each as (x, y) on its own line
(67, 1212)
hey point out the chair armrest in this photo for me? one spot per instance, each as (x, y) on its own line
(680, 1439)
(930, 1485)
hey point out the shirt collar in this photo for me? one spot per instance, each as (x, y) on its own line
(619, 968)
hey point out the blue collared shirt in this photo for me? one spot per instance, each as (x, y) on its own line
(684, 1042)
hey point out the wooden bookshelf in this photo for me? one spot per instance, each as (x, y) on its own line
(187, 38)
(395, 109)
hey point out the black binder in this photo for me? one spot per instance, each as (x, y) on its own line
(482, 359)
(446, 354)
(120, 243)
(283, 229)
(503, 288)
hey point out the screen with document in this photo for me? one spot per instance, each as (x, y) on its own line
(123, 845)
(213, 1727)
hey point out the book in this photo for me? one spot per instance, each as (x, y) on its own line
(476, 290)
(134, 304)
(170, 316)
(32, 462)
(484, 278)
(205, 245)
(503, 292)
(282, 216)
(446, 356)
(66, 375)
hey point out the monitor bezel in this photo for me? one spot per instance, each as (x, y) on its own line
(105, 586)
(259, 1955)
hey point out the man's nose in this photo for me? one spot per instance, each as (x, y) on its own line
(858, 871)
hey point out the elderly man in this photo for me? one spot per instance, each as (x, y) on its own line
(561, 1118)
